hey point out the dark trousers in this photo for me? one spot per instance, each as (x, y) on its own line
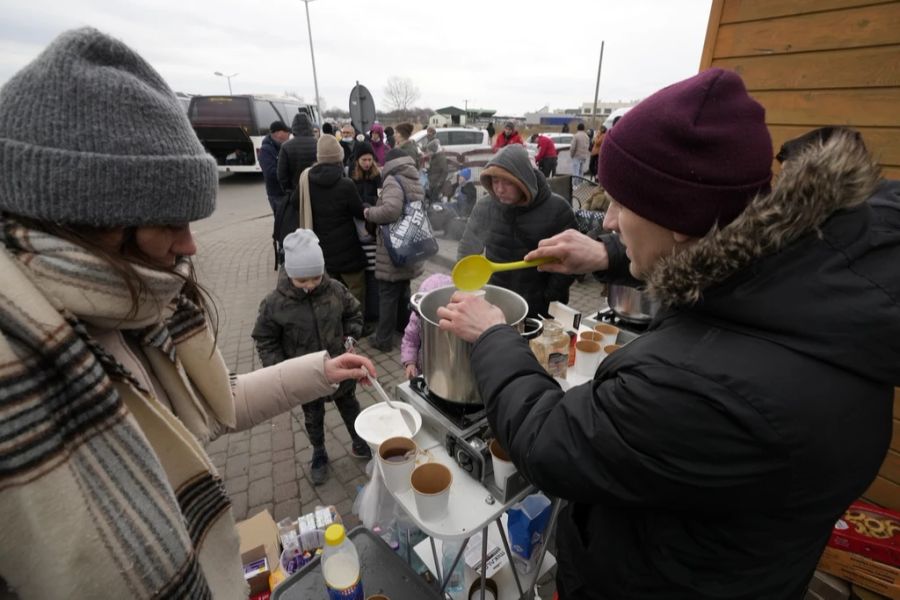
(393, 310)
(548, 166)
(314, 413)
(274, 201)
(372, 297)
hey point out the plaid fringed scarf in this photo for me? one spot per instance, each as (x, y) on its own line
(104, 492)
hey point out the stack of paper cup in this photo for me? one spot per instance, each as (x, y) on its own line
(609, 332)
(503, 466)
(588, 355)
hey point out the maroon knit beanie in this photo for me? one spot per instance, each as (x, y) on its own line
(691, 155)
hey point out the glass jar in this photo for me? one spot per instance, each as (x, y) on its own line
(551, 349)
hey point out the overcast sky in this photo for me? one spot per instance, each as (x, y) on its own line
(509, 56)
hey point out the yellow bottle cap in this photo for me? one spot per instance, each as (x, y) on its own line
(334, 535)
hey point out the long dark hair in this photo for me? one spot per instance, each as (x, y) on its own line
(123, 262)
(357, 174)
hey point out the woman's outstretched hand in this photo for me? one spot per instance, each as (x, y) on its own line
(348, 366)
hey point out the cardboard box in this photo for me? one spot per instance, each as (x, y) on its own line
(259, 550)
(870, 531)
(865, 572)
(827, 587)
(496, 556)
(256, 569)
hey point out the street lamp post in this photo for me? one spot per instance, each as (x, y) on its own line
(228, 77)
(313, 56)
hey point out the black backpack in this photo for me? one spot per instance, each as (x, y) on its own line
(287, 219)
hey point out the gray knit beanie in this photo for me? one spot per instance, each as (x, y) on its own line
(329, 150)
(302, 254)
(90, 134)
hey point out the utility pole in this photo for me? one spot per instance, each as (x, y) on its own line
(312, 54)
(597, 89)
(466, 102)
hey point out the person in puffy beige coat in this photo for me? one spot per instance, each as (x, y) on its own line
(111, 382)
(400, 180)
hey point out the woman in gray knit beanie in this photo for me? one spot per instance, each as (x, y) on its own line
(111, 381)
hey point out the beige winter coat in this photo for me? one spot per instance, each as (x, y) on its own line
(581, 146)
(389, 208)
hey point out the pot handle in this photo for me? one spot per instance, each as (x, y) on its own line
(416, 301)
(535, 332)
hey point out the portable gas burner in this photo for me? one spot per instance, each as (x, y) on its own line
(463, 427)
(628, 329)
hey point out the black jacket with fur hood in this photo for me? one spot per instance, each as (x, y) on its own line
(710, 457)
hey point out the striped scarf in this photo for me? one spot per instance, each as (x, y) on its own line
(105, 491)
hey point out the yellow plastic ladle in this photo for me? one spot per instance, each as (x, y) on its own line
(473, 272)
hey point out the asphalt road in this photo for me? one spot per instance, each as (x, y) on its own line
(241, 198)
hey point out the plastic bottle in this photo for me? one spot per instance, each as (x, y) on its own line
(340, 566)
(456, 579)
(408, 532)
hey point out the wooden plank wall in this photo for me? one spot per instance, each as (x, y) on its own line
(812, 63)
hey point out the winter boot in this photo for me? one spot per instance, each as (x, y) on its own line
(318, 469)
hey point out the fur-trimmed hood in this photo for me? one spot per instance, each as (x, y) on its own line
(810, 266)
(825, 178)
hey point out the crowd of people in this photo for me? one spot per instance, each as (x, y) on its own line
(699, 462)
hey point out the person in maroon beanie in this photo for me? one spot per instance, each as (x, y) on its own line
(711, 456)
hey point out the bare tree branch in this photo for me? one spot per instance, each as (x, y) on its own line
(401, 93)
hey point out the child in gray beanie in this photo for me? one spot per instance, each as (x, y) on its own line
(308, 312)
(111, 380)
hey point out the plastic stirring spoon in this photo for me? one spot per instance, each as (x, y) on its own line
(473, 272)
(407, 419)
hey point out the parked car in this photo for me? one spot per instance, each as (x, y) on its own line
(562, 141)
(457, 139)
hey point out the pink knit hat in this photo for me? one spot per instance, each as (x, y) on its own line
(691, 155)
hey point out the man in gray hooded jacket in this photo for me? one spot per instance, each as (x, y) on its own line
(520, 212)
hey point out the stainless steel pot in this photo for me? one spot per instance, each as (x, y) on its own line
(631, 304)
(445, 357)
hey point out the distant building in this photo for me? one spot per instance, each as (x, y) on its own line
(454, 116)
(604, 108)
(559, 117)
(439, 120)
(451, 116)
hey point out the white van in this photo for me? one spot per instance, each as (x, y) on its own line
(232, 128)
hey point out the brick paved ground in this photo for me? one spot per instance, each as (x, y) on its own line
(268, 466)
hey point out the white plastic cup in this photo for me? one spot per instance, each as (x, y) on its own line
(397, 459)
(503, 467)
(588, 355)
(431, 488)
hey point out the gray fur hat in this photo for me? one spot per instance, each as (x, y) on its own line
(90, 134)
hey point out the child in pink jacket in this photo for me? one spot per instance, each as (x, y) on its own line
(412, 335)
